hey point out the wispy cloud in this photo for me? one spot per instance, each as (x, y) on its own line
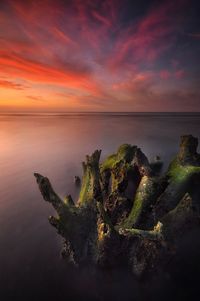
(37, 98)
(90, 47)
(11, 85)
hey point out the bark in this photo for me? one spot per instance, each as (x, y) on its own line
(126, 213)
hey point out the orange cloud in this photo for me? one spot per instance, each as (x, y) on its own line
(12, 64)
(87, 53)
(11, 85)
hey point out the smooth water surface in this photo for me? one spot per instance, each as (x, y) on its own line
(55, 146)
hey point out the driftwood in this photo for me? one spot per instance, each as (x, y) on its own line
(126, 212)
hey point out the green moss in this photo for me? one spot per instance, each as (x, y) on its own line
(124, 153)
(180, 181)
(90, 188)
(85, 188)
(109, 162)
(144, 195)
(155, 234)
(179, 173)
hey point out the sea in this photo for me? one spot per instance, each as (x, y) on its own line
(54, 145)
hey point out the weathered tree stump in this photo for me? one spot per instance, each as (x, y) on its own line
(108, 227)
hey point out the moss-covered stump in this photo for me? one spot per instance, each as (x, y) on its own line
(126, 212)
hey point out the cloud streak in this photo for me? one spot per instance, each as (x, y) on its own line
(97, 48)
(11, 85)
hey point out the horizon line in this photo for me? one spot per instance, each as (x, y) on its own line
(97, 112)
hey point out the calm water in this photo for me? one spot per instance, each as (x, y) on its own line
(55, 146)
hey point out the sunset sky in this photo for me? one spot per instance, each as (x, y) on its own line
(96, 55)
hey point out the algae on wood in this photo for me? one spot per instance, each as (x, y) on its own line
(126, 212)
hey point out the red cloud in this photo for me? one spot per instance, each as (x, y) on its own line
(149, 38)
(180, 74)
(62, 37)
(12, 64)
(165, 74)
(136, 82)
(90, 27)
(102, 19)
(11, 85)
(78, 45)
(177, 74)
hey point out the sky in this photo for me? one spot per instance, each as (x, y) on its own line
(99, 56)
